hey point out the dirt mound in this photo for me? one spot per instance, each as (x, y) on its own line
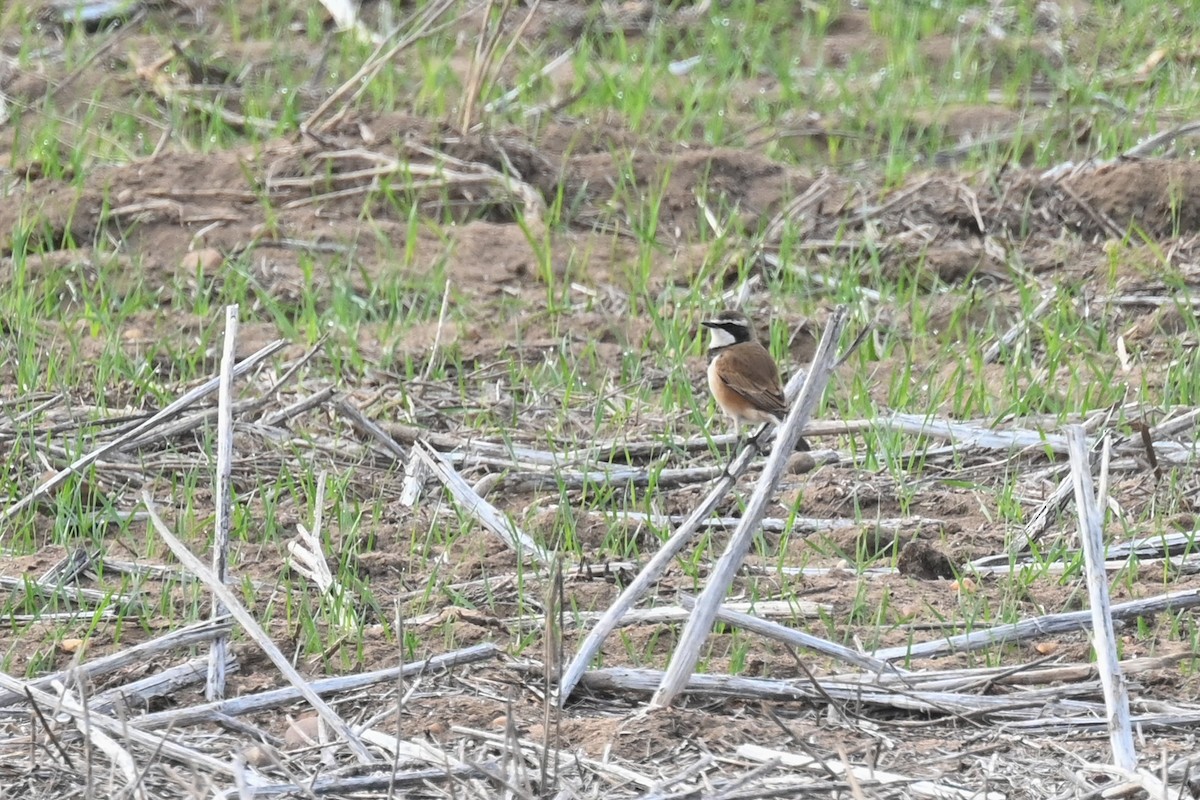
(1161, 197)
(168, 206)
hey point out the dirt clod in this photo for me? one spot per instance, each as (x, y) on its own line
(919, 559)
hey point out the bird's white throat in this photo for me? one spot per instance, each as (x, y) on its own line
(720, 338)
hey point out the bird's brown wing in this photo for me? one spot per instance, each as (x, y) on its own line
(750, 371)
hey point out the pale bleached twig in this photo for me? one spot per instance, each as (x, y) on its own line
(612, 771)
(1154, 142)
(1040, 521)
(1133, 783)
(106, 744)
(160, 684)
(1038, 626)
(214, 687)
(1102, 498)
(358, 83)
(768, 524)
(345, 16)
(821, 278)
(255, 632)
(458, 448)
(195, 633)
(1091, 530)
(299, 407)
(1020, 326)
(668, 614)
(964, 433)
(912, 787)
(505, 100)
(273, 698)
(650, 573)
(171, 410)
(368, 426)
(476, 506)
(120, 729)
(691, 639)
(773, 630)
(437, 336)
(385, 782)
(73, 593)
(307, 557)
(1030, 706)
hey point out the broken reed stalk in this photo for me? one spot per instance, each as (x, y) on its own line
(1045, 625)
(201, 391)
(366, 425)
(696, 630)
(794, 638)
(120, 729)
(485, 52)
(274, 698)
(650, 573)
(418, 25)
(659, 562)
(1091, 531)
(214, 688)
(471, 502)
(188, 636)
(255, 632)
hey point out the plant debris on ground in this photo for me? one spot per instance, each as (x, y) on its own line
(396, 310)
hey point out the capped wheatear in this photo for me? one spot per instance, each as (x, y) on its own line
(741, 373)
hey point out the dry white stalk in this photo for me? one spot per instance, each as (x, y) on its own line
(1020, 326)
(1037, 709)
(345, 16)
(650, 573)
(383, 784)
(274, 698)
(127, 603)
(769, 524)
(914, 787)
(823, 278)
(695, 632)
(967, 434)
(415, 473)
(361, 80)
(437, 335)
(505, 100)
(773, 630)
(195, 633)
(416, 750)
(171, 410)
(551, 479)
(1034, 627)
(765, 608)
(1091, 531)
(116, 754)
(438, 175)
(1175, 548)
(616, 773)
(153, 743)
(159, 684)
(470, 501)
(308, 559)
(255, 632)
(214, 688)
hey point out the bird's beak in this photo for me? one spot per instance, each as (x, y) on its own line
(708, 323)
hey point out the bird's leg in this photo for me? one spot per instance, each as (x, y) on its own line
(737, 445)
(753, 440)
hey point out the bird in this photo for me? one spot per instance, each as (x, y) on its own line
(742, 375)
